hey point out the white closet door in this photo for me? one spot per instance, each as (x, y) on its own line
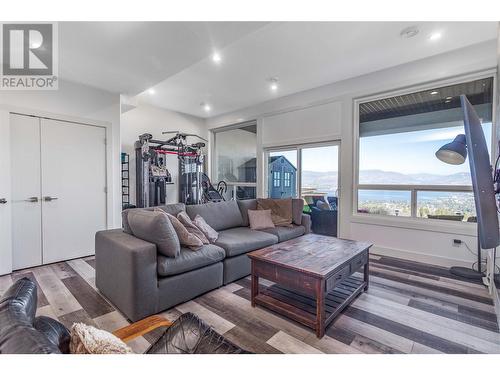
(73, 188)
(25, 191)
(5, 199)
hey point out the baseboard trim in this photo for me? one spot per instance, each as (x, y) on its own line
(419, 257)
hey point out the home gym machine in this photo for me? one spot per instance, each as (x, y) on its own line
(152, 175)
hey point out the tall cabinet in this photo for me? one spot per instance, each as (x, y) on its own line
(57, 189)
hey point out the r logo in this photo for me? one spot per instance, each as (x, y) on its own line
(28, 49)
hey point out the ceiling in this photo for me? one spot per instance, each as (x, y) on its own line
(129, 57)
(175, 58)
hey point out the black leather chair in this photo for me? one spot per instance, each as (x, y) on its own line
(23, 333)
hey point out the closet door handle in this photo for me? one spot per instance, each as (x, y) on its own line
(48, 199)
(32, 199)
(3, 200)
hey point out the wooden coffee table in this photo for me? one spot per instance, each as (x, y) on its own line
(313, 278)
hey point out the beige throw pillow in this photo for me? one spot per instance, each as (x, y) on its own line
(260, 219)
(185, 238)
(207, 230)
(90, 340)
(191, 228)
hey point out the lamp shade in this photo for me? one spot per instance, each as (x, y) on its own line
(454, 152)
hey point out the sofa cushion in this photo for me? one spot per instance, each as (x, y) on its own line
(155, 227)
(220, 215)
(245, 205)
(297, 209)
(189, 260)
(286, 233)
(172, 209)
(241, 240)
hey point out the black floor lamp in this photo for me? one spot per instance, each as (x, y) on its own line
(455, 153)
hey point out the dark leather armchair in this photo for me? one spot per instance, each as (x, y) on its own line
(23, 333)
(324, 221)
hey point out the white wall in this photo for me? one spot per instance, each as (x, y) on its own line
(330, 108)
(154, 120)
(81, 102)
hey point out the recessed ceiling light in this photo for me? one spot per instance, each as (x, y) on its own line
(434, 92)
(449, 97)
(409, 32)
(206, 107)
(216, 58)
(273, 83)
(435, 36)
(447, 101)
(151, 91)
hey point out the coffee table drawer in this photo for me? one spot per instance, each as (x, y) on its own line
(337, 277)
(359, 261)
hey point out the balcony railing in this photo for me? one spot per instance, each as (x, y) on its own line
(413, 191)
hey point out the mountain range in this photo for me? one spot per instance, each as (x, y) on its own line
(375, 176)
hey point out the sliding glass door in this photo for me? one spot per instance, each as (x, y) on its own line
(307, 171)
(319, 173)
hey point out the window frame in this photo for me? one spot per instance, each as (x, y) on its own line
(413, 220)
(287, 179)
(276, 179)
(298, 147)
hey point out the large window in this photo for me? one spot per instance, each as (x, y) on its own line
(399, 174)
(235, 161)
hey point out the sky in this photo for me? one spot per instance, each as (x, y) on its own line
(412, 152)
(316, 159)
(407, 153)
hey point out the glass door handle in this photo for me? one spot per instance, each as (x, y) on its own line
(3, 200)
(48, 199)
(32, 199)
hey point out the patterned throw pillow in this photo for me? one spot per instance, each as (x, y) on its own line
(281, 210)
(191, 228)
(260, 219)
(90, 340)
(185, 238)
(207, 230)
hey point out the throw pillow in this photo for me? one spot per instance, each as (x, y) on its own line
(155, 227)
(207, 230)
(260, 219)
(281, 210)
(90, 340)
(185, 238)
(191, 228)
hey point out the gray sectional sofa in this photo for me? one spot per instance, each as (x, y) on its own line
(140, 282)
